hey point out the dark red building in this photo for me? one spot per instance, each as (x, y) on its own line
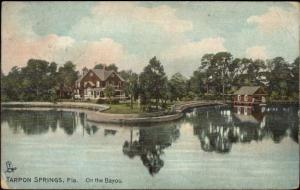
(92, 83)
(250, 95)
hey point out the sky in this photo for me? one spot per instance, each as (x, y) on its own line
(129, 34)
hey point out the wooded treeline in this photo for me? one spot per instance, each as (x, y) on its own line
(218, 76)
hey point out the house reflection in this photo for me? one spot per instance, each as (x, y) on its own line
(218, 129)
(150, 145)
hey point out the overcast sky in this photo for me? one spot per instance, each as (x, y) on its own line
(130, 33)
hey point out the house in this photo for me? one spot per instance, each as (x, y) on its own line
(93, 82)
(250, 95)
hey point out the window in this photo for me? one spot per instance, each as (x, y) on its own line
(98, 83)
(246, 98)
(78, 84)
(91, 74)
(239, 97)
(245, 111)
(239, 110)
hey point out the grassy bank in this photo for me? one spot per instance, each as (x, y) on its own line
(123, 109)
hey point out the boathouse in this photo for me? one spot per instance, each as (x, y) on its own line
(250, 95)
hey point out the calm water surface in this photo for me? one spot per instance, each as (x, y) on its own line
(218, 147)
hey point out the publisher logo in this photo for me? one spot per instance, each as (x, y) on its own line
(9, 167)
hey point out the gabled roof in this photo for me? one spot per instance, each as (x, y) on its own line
(102, 74)
(80, 78)
(247, 90)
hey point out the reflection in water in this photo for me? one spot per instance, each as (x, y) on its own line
(109, 132)
(91, 129)
(39, 122)
(218, 128)
(150, 145)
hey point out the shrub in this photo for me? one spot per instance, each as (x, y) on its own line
(115, 101)
(274, 95)
(101, 101)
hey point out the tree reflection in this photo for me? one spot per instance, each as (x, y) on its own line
(109, 132)
(150, 145)
(67, 122)
(281, 120)
(90, 130)
(39, 122)
(218, 128)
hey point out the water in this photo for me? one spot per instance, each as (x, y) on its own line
(218, 147)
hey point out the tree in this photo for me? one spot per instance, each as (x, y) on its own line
(11, 85)
(153, 83)
(112, 67)
(131, 85)
(36, 77)
(109, 67)
(177, 86)
(35, 81)
(293, 84)
(109, 92)
(222, 61)
(278, 78)
(209, 67)
(66, 77)
(99, 66)
(199, 83)
(219, 69)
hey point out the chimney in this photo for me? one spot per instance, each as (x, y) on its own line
(84, 71)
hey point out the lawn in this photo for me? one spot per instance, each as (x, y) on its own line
(123, 108)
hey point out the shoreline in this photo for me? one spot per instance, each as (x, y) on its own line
(94, 112)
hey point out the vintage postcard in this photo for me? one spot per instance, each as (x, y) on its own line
(149, 95)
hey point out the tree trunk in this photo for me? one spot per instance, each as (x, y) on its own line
(130, 136)
(131, 102)
(207, 89)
